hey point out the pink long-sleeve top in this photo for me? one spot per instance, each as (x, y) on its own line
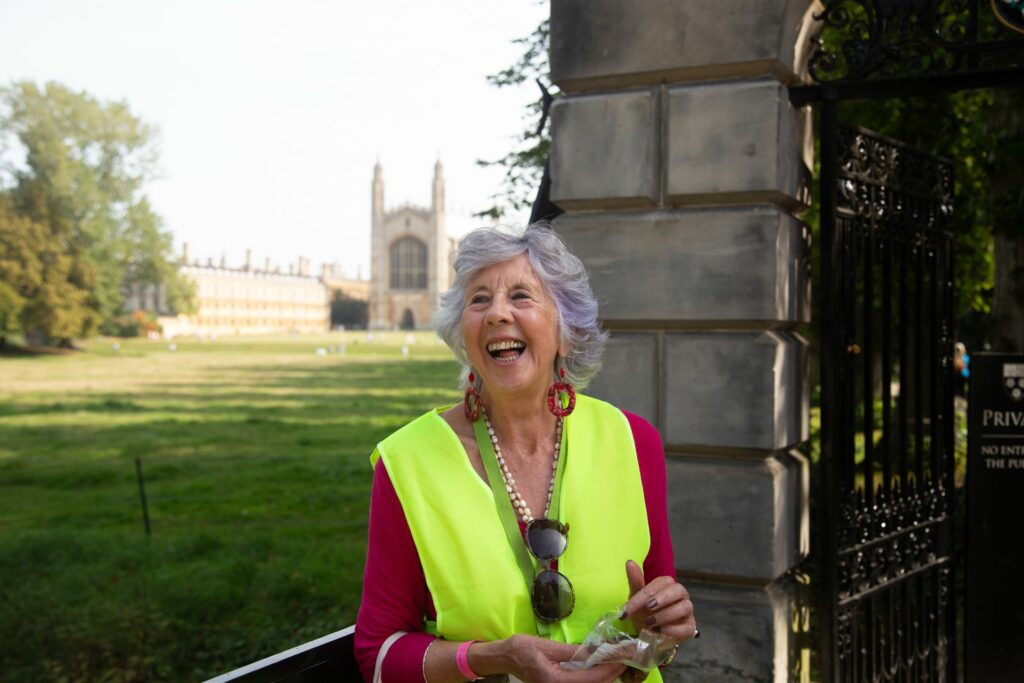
(395, 594)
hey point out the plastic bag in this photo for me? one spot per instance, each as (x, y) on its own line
(609, 643)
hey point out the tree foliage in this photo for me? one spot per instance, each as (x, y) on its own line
(352, 313)
(982, 133)
(72, 188)
(955, 126)
(1006, 333)
(44, 287)
(524, 164)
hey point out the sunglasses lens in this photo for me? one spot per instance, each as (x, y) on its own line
(546, 538)
(553, 596)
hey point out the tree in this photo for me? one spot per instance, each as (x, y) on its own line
(1007, 202)
(352, 313)
(42, 288)
(982, 132)
(955, 126)
(146, 252)
(77, 167)
(11, 305)
(15, 260)
(524, 165)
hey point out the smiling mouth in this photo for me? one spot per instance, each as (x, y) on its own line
(506, 350)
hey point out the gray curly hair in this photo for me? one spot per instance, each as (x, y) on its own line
(562, 275)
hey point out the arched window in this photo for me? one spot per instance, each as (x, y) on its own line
(408, 264)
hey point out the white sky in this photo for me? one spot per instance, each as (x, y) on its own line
(273, 113)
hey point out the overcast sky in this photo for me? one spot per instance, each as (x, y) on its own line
(272, 114)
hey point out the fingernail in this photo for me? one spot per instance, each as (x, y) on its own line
(652, 603)
(623, 614)
(651, 620)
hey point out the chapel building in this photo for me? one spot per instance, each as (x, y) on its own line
(409, 258)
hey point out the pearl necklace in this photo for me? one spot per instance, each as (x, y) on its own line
(518, 504)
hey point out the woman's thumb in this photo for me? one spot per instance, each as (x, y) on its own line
(635, 575)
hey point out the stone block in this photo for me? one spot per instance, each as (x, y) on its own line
(799, 490)
(603, 151)
(745, 636)
(735, 142)
(738, 517)
(629, 376)
(612, 43)
(736, 389)
(721, 264)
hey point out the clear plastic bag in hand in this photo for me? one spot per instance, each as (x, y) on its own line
(609, 643)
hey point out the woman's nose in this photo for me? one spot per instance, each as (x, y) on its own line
(498, 312)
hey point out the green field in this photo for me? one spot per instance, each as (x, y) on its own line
(254, 454)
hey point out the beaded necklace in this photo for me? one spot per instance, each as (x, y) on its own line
(518, 504)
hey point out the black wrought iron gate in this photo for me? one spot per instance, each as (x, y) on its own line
(887, 433)
(886, 609)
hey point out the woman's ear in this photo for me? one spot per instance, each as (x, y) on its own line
(563, 352)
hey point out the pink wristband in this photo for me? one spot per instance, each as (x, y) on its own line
(462, 660)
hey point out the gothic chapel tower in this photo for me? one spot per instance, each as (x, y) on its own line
(378, 271)
(409, 253)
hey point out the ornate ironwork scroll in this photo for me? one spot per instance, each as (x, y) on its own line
(881, 39)
(890, 439)
(1010, 13)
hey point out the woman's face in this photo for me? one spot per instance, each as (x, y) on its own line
(510, 328)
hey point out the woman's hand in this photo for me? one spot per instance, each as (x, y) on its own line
(663, 605)
(536, 660)
(528, 658)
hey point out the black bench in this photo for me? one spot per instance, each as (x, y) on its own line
(329, 658)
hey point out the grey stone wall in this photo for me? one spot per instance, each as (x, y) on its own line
(683, 170)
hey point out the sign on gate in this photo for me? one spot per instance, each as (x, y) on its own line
(995, 513)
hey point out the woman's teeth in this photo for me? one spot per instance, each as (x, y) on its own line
(506, 350)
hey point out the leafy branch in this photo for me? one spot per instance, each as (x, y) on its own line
(524, 165)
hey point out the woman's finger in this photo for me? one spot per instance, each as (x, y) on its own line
(642, 596)
(676, 612)
(563, 652)
(672, 593)
(662, 595)
(680, 631)
(552, 650)
(602, 673)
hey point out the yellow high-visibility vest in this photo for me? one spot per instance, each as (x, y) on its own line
(471, 571)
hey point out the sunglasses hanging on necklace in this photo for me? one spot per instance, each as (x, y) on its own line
(552, 594)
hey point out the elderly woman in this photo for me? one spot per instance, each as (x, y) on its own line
(471, 568)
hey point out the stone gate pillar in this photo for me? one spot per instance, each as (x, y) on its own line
(682, 167)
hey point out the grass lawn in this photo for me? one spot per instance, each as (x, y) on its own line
(255, 457)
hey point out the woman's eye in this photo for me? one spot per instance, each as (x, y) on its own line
(521, 295)
(478, 299)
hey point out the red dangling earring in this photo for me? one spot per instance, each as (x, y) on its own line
(555, 396)
(471, 401)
